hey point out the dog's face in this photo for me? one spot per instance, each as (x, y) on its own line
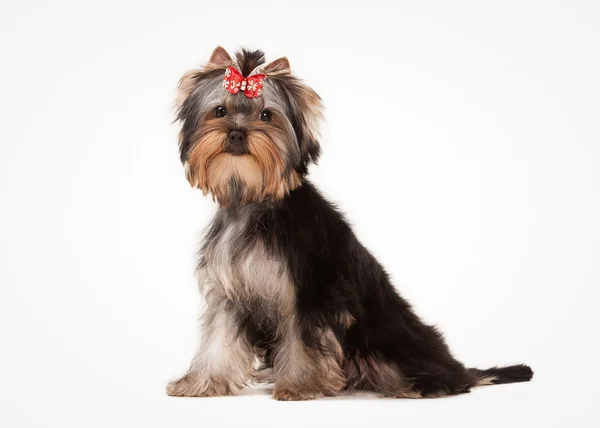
(245, 149)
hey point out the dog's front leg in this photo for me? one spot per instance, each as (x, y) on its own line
(224, 363)
(304, 371)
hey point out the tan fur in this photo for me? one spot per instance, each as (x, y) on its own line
(303, 373)
(376, 374)
(193, 384)
(345, 319)
(285, 392)
(224, 168)
(437, 394)
(260, 173)
(209, 145)
(488, 380)
(270, 162)
(265, 375)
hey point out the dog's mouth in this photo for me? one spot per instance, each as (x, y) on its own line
(236, 149)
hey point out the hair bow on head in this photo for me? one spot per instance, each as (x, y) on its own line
(235, 82)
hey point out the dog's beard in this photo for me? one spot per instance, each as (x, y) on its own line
(231, 179)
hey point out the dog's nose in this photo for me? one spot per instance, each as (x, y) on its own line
(237, 137)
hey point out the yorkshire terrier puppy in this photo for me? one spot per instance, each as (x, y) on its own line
(287, 284)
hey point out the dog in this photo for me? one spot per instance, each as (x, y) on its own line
(292, 297)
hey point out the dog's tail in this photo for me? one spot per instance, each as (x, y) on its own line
(498, 375)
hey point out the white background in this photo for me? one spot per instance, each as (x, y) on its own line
(462, 141)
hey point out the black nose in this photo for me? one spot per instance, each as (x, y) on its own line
(237, 137)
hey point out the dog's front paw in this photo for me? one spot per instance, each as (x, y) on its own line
(186, 386)
(287, 393)
(195, 385)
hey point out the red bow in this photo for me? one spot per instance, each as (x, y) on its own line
(251, 86)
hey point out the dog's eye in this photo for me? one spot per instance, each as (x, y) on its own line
(266, 115)
(220, 111)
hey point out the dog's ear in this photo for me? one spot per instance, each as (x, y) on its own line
(312, 116)
(306, 105)
(307, 111)
(281, 64)
(220, 57)
(186, 86)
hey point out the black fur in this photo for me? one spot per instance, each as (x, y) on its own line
(499, 375)
(249, 60)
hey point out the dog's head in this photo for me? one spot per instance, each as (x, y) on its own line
(249, 131)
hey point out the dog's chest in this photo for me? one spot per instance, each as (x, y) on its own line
(240, 266)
